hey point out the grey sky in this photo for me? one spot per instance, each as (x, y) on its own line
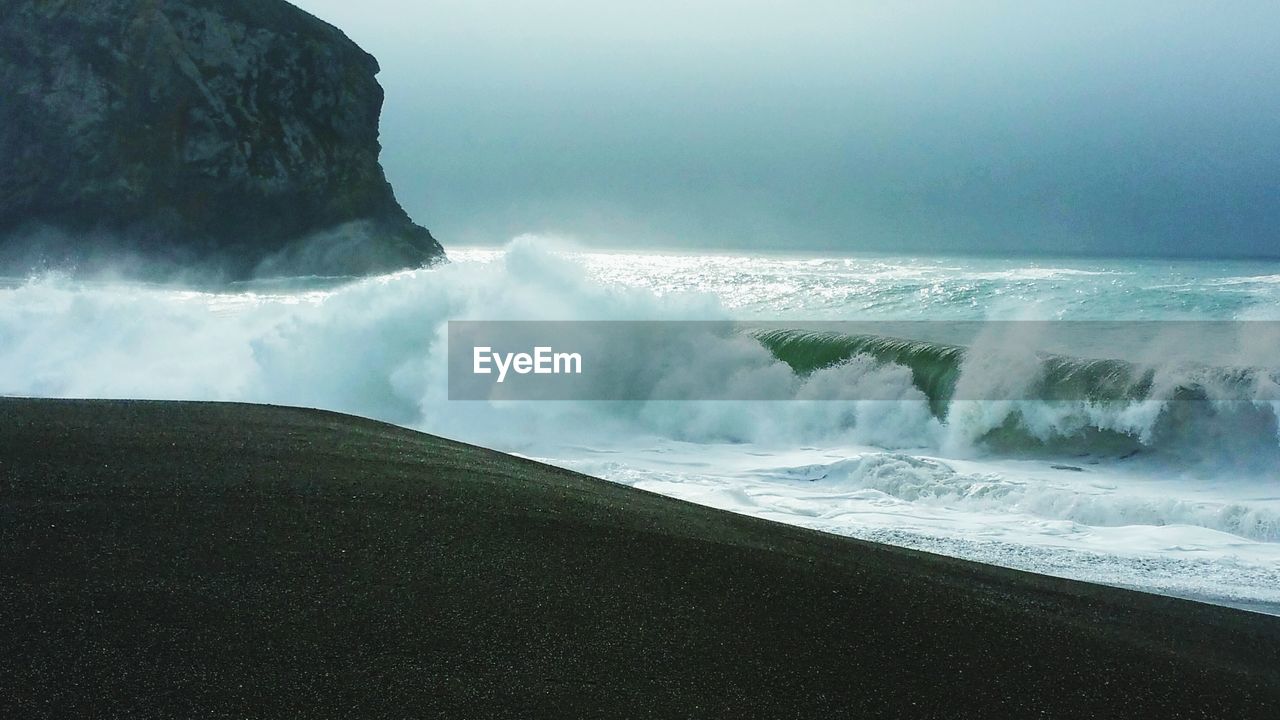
(1132, 127)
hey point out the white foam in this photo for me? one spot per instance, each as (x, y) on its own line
(884, 470)
(1099, 525)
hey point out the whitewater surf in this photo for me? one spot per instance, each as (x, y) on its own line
(1156, 470)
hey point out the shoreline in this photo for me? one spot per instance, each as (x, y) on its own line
(171, 558)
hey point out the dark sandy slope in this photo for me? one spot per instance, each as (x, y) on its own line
(202, 560)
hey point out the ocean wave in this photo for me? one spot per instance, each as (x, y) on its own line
(928, 481)
(1043, 401)
(377, 347)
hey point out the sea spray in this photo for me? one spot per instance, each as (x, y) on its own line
(1185, 453)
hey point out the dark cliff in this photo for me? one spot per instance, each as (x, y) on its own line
(235, 135)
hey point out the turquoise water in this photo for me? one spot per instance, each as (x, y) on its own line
(956, 288)
(1153, 493)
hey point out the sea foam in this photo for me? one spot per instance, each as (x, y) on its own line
(1200, 476)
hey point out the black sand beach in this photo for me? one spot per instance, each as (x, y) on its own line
(210, 560)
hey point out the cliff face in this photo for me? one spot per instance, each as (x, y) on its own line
(240, 135)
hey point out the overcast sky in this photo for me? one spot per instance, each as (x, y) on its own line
(1062, 127)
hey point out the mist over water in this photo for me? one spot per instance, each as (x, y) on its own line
(1173, 496)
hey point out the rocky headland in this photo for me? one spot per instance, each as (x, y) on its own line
(238, 137)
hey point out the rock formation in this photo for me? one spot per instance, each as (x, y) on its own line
(234, 135)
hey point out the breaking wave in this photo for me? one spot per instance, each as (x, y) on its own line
(1037, 454)
(376, 347)
(1062, 403)
(933, 482)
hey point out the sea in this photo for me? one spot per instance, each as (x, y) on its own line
(1157, 469)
